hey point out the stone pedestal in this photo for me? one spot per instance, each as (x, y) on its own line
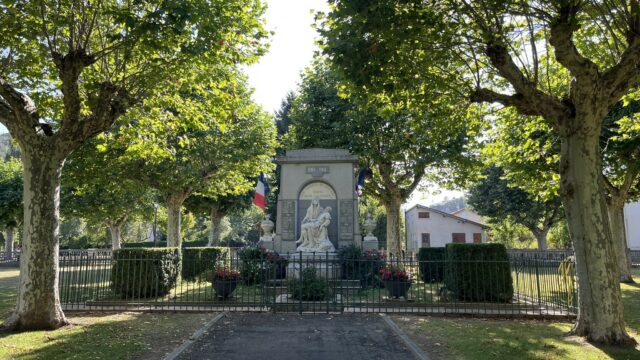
(266, 243)
(370, 243)
(326, 265)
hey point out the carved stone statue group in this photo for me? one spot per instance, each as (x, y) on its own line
(314, 233)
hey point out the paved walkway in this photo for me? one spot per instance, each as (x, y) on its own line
(293, 336)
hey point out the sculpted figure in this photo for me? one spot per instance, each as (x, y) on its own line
(308, 225)
(314, 234)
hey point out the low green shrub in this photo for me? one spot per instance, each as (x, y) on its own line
(309, 286)
(144, 244)
(143, 273)
(251, 265)
(349, 257)
(364, 266)
(198, 260)
(478, 272)
(431, 261)
(148, 244)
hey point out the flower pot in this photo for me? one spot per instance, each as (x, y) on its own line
(224, 288)
(396, 288)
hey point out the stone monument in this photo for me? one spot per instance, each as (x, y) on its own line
(317, 203)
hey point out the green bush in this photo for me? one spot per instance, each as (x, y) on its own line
(309, 287)
(478, 272)
(198, 260)
(251, 266)
(431, 262)
(147, 244)
(143, 244)
(350, 257)
(143, 273)
(363, 266)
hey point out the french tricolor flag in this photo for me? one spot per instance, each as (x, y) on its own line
(260, 197)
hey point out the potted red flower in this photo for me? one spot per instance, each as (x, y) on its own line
(225, 282)
(396, 280)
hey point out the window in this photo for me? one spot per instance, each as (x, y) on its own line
(458, 238)
(426, 240)
(423, 215)
(477, 238)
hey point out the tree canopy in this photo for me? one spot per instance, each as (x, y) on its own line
(10, 193)
(494, 198)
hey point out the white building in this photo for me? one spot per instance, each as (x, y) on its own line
(632, 224)
(427, 227)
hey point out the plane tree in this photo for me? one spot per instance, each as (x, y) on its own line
(68, 71)
(567, 61)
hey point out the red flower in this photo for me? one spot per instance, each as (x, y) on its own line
(393, 273)
(225, 274)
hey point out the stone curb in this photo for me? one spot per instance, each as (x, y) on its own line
(194, 337)
(415, 349)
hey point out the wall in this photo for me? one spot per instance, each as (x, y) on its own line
(632, 224)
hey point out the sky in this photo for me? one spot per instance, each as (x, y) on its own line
(291, 50)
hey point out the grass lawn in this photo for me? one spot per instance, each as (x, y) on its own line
(97, 335)
(472, 338)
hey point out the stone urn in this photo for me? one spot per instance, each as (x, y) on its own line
(369, 225)
(267, 227)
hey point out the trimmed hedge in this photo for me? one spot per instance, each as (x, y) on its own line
(432, 262)
(143, 273)
(143, 244)
(478, 272)
(198, 260)
(149, 244)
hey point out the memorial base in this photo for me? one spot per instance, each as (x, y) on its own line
(326, 265)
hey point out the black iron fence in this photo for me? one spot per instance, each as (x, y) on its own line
(635, 257)
(259, 281)
(9, 258)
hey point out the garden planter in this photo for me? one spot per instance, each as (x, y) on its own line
(224, 288)
(397, 289)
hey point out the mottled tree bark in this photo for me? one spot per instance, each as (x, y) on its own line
(541, 237)
(116, 235)
(8, 243)
(38, 304)
(214, 231)
(174, 218)
(394, 243)
(600, 308)
(616, 218)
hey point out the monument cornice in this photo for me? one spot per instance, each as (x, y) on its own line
(317, 156)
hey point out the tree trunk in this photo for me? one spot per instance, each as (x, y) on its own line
(116, 235)
(616, 217)
(38, 298)
(214, 232)
(8, 243)
(600, 310)
(541, 237)
(394, 243)
(174, 205)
